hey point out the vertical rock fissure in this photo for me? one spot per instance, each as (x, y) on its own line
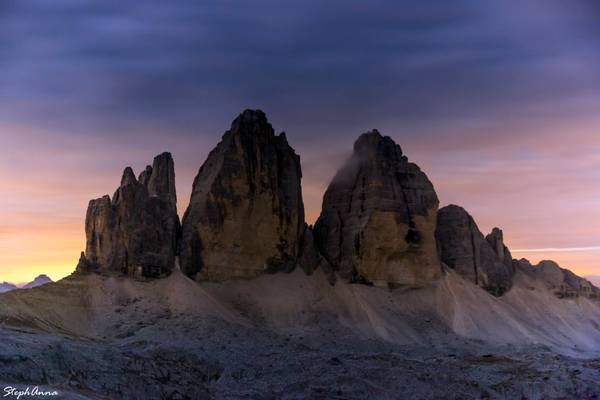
(474, 249)
(412, 236)
(341, 236)
(363, 195)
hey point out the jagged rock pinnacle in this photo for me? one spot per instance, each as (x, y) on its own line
(246, 215)
(379, 216)
(487, 262)
(135, 233)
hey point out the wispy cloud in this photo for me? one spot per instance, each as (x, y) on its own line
(557, 249)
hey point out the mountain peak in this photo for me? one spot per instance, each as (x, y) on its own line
(128, 177)
(379, 200)
(7, 287)
(39, 280)
(251, 122)
(246, 215)
(136, 233)
(484, 261)
(373, 143)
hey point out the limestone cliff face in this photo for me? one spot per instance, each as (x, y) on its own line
(562, 282)
(484, 261)
(136, 232)
(378, 219)
(246, 215)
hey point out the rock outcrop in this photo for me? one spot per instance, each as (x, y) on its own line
(246, 215)
(562, 282)
(378, 219)
(136, 232)
(379, 223)
(485, 261)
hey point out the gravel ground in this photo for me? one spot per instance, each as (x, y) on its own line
(293, 337)
(250, 363)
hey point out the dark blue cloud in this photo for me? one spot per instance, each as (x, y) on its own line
(108, 66)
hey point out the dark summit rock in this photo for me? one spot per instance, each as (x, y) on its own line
(136, 232)
(487, 262)
(246, 215)
(378, 219)
(161, 180)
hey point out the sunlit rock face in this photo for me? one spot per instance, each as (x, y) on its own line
(135, 233)
(485, 261)
(246, 215)
(378, 219)
(562, 282)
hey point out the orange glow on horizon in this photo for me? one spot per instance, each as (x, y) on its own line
(544, 194)
(39, 250)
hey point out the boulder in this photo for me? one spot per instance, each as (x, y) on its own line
(378, 219)
(246, 215)
(136, 232)
(485, 261)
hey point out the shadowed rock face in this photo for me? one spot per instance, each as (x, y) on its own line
(379, 217)
(246, 215)
(496, 242)
(136, 232)
(484, 261)
(562, 282)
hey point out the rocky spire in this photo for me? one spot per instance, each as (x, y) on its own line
(161, 180)
(496, 241)
(136, 232)
(128, 177)
(145, 175)
(246, 215)
(484, 261)
(379, 216)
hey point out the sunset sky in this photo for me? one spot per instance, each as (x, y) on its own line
(497, 101)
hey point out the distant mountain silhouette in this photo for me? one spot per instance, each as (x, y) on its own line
(7, 287)
(38, 281)
(595, 279)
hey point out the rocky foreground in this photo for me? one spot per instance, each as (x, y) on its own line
(293, 336)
